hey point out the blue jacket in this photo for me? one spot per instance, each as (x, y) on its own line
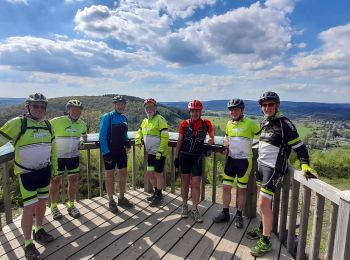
(113, 138)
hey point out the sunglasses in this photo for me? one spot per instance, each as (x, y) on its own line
(39, 106)
(268, 104)
(150, 106)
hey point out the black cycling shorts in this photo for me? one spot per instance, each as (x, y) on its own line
(71, 164)
(154, 165)
(119, 159)
(267, 178)
(191, 164)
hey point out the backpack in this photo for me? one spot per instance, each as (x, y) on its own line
(24, 127)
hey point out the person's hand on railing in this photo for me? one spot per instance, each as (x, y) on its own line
(225, 151)
(81, 145)
(308, 172)
(158, 155)
(211, 141)
(177, 163)
(108, 157)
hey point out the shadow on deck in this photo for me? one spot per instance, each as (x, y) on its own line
(139, 233)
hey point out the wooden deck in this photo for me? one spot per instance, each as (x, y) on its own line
(139, 233)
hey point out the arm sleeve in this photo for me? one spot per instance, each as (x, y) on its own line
(10, 130)
(164, 136)
(139, 134)
(255, 128)
(293, 140)
(104, 126)
(210, 127)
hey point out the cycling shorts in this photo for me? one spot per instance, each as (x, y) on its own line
(72, 165)
(237, 168)
(119, 159)
(191, 164)
(154, 165)
(34, 185)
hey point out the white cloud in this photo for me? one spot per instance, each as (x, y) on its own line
(18, 2)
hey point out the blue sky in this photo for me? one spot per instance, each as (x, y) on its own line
(176, 50)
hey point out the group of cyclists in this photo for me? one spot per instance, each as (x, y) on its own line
(44, 150)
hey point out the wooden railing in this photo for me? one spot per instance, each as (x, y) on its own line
(285, 205)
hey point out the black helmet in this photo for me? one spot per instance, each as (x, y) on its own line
(74, 103)
(235, 103)
(118, 99)
(269, 95)
(37, 97)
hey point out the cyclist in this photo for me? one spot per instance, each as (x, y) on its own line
(70, 133)
(189, 153)
(240, 131)
(154, 132)
(114, 144)
(278, 136)
(34, 143)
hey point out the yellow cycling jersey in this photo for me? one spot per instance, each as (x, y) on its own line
(68, 133)
(35, 149)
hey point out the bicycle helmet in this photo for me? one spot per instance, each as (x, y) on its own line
(150, 101)
(195, 105)
(37, 97)
(74, 103)
(269, 95)
(118, 99)
(235, 103)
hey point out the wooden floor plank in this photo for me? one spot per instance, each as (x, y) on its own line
(243, 250)
(230, 241)
(209, 241)
(156, 224)
(121, 226)
(96, 227)
(184, 243)
(17, 242)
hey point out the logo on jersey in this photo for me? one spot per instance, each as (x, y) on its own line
(41, 134)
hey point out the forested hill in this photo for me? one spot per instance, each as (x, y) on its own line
(291, 109)
(95, 106)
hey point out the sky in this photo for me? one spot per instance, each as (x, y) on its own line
(176, 50)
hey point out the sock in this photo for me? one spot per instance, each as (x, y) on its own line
(27, 242)
(261, 225)
(121, 195)
(70, 204)
(159, 192)
(155, 190)
(37, 228)
(225, 211)
(53, 205)
(266, 239)
(239, 213)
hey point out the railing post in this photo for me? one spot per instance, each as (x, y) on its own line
(282, 232)
(88, 172)
(6, 194)
(100, 177)
(293, 216)
(303, 223)
(172, 170)
(331, 234)
(147, 187)
(250, 206)
(204, 178)
(215, 172)
(133, 171)
(317, 227)
(342, 235)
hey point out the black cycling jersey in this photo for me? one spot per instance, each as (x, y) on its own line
(278, 136)
(193, 141)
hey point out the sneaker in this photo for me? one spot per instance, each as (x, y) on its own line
(150, 198)
(125, 203)
(261, 248)
(256, 233)
(31, 252)
(184, 211)
(157, 200)
(112, 207)
(73, 212)
(196, 216)
(56, 214)
(222, 217)
(239, 221)
(42, 237)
